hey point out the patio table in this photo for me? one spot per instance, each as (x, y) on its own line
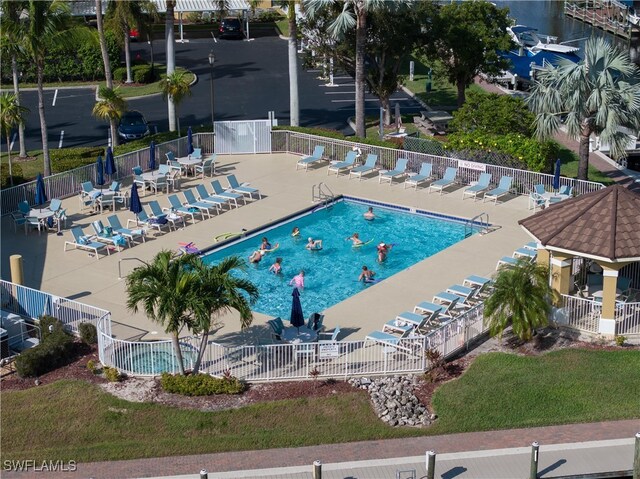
(306, 335)
(189, 163)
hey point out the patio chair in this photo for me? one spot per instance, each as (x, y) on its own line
(566, 190)
(32, 222)
(60, 218)
(479, 187)
(504, 188)
(536, 201)
(108, 198)
(159, 183)
(214, 200)
(207, 165)
(173, 220)
(315, 321)
(164, 169)
(170, 157)
(55, 204)
(315, 157)
(24, 208)
(84, 242)
(177, 207)
(244, 188)
(332, 336)
(203, 206)
(347, 164)
(277, 327)
(175, 166)
(368, 167)
(197, 153)
(448, 179)
(142, 184)
(539, 189)
(173, 179)
(131, 235)
(399, 171)
(425, 174)
(220, 192)
(19, 219)
(137, 170)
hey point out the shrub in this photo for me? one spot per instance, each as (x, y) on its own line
(70, 158)
(620, 339)
(49, 325)
(120, 74)
(16, 169)
(142, 73)
(267, 16)
(88, 333)
(54, 351)
(112, 374)
(338, 136)
(91, 366)
(201, 384)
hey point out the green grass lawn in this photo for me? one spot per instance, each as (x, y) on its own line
(499, 391)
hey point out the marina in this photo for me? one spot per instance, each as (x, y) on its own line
(611, 16)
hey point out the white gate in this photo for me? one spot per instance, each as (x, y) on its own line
(252, 136)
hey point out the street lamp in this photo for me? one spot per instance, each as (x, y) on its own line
(212, 59)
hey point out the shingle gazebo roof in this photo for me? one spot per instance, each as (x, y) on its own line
(604, 224)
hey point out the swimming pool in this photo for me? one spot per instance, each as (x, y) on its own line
(331, 274)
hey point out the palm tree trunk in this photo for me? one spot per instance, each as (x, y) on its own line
(386, 105)
(176, 349)
(201, 350)
(43, 121)
(361, 33)
(127, 53)
(583, 153)
(103, 45)
(9, 151)
(171, 60)
(294, 107)
(16, 90)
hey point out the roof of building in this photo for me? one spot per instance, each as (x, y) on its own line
(88, 7)
(602, 224)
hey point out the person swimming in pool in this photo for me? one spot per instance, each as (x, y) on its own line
(369, 214)
(256, 256)
(298, 280)
(383, 251)
(265, 245)
(314, 245)
(366, 275)
(276, 268)
(355, 238)
(295, 232)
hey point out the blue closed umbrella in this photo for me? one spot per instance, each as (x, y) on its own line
(99, 171)
(556, 176)
(41, 195)
(135, 206)
(152, 156)
(109, 165)
(297, 317)
(189, 141)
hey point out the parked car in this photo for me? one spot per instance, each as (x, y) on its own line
(231, 27)
(134, 34)
(133, 126)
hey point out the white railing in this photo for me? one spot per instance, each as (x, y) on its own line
(523, 181)
(628, 319)
(31, 303)
(581, 313)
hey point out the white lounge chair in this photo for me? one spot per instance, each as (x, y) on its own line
(82, 241)
(425, 174)
(479, 187)
(448, 179)
(399, 171)
(315, 157)
(348, 163)
(368, 167)
(504, 188)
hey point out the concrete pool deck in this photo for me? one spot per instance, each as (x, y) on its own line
(77, 276)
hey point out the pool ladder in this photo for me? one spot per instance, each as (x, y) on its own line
(480, 222)
(321, 193)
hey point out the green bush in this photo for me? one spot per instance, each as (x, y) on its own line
(201, 385)
(91, 366)
(142, 74)
(54, 351)
(16, 169)
(120, 74)
(112, 374)
(88, 333)
(338, 136)
(49, 325)
(267, 16)
(69, 158)
(620, 339)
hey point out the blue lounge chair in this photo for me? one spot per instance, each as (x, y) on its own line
(106, 235)
(504, 188)
(427, 307)
(347, 164)
(506, 261)
(425, 174)
(532, 245)
(150, 222)
(479, 187)
(368, 167)
(448, 179)
(207, 198)
(525, 253)
(399, 171)
(409, 320)
(177, 207)
(131, 235)
(479, 283)
(82, 241)
(389, 340)
(236, 187)
(203, 206)
(158, 213)
(220, 192)
(315, 157)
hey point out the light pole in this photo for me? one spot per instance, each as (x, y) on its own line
(212, 59)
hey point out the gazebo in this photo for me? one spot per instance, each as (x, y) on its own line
(604, 227)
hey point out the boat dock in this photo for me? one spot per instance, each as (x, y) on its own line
(608, 15)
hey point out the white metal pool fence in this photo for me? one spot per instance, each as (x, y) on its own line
(584, 314)
(256, 140)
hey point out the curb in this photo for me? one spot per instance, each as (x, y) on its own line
(195, 80)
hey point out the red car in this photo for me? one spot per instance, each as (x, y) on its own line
(134, 34)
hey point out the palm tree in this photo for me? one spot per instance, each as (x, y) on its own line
(165, 290)
(11, 114)
(352, 15)
(169, 38)
(220, 292)
(175, 87)
(521, 297)
(103, 51)
(599, 95)
(294, 105)
(110, 107)
(48, 23)
(10, 36)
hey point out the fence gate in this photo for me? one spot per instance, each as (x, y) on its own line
(243, 136)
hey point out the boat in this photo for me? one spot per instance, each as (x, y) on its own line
(529, 38)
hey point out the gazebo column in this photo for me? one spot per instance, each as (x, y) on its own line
(543, 256)
(560, 273)
(607, 324)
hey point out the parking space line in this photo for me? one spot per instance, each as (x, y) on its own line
(369, 99)
(55, 96)
(61, 137)
(339, 92)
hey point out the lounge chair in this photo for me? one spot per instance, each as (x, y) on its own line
(150, 222)
(106, 236)
(426, 307)
(448, 179)
(532, 245)
(347, 164)
(479, 283)
(368, 167)
(131, 235)
(468, 295)
(82, 241)
(504, 188)
(392, 341)
(479, 187)
(203, 195)
(506, 261)
(220, 192)
(158, 213)
(315, 157)
(525, 253)
(203, 206)
(448, 300)
(177, 207)
(399, 171)
(407, 320)
(243, 189)
(425, 174)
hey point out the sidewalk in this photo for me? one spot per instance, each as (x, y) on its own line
(402, 453)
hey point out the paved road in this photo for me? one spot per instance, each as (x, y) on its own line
(251, 79)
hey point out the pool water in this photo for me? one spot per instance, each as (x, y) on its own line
(158, 359)
(331, 275)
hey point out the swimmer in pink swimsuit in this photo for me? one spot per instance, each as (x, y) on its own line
(298, 280)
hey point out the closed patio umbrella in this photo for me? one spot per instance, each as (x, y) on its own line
(109, 165)
(189, 141)
(297, 316)
(152, 156)
(135, 205)
(556, 176)
(99, 171)
(41, 195)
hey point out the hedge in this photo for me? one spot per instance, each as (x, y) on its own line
(54, 350)
(16, 169)
(339, 136)
(201, 385)
(69, 158)
(88, 333)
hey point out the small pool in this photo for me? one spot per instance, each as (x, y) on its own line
(331, 274)
(151, 358)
